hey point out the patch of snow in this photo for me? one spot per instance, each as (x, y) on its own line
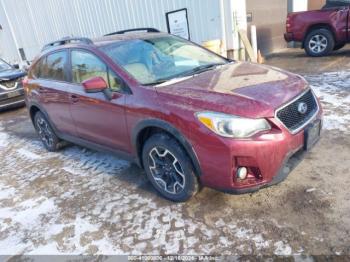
(28, 154)
(309, 190)
(4, 138)
(282, 249)
(333, 89)
(260, 242)
(28, 212)
(6, 193)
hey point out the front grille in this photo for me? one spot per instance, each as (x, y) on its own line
(10, 84)
(291, 117)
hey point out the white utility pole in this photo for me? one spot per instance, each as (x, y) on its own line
(235, 18)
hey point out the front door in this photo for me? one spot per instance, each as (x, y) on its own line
(97, 119)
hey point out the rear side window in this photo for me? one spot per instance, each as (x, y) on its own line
(86, 66)
(54, 66)
(36, 70)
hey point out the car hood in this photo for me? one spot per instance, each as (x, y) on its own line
(11, 74)
(244, 89)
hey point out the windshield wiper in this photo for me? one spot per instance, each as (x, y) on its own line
(163, 80)
(201, 69)
(194, 71)
(158, 82)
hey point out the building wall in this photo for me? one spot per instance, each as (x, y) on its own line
(7, 43)
(269, 16)
(316, 4)
(37, 22)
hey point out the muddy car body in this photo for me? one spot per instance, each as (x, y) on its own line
(218, 123)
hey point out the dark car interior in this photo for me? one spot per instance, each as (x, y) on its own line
(336, 4)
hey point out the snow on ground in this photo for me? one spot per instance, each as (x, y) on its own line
(334, 91)
(79, 201)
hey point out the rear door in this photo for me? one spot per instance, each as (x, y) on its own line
(50, 82)
(97, 119)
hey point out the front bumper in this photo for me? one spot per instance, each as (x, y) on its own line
(13, 98)
(269, 158)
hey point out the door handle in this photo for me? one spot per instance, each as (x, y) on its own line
(74, 98)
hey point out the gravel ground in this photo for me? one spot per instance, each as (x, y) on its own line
(79, 201)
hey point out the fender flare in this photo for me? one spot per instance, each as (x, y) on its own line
(42, 110)
(157, 123)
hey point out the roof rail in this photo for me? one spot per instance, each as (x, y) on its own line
(147, 29)
(67, 40)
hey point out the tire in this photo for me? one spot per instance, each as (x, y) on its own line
(319, 42)
(46, 133)
(174, 181)
(338, 47)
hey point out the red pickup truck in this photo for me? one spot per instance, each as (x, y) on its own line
(321, 31)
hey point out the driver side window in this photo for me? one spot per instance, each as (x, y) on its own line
(86, 65)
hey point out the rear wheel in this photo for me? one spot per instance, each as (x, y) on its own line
(169, 169)
(46, 133)
(319, 42)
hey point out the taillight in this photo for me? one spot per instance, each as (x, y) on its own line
(288, 23)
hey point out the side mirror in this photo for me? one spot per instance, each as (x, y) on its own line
(16, 66)
(95, 85)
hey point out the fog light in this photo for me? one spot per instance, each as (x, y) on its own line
(242, 173)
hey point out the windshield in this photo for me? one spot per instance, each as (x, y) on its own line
(156, 60)
(4, 66)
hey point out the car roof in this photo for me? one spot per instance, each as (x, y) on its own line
(99, 41)
(106, 40)
(69, 42)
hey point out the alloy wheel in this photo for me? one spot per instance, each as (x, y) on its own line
(318, 44)
(44, 132)
(166, 170)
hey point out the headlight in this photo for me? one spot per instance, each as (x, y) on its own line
(232, 126)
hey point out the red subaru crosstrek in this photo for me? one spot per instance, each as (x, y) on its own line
(188, 116)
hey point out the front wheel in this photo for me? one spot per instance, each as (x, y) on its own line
(319, 42)
(169, 168)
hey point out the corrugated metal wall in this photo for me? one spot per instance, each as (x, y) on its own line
(36, 22)
(7, 44)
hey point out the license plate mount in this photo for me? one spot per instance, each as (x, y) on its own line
(312, 135)
(14, 94)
